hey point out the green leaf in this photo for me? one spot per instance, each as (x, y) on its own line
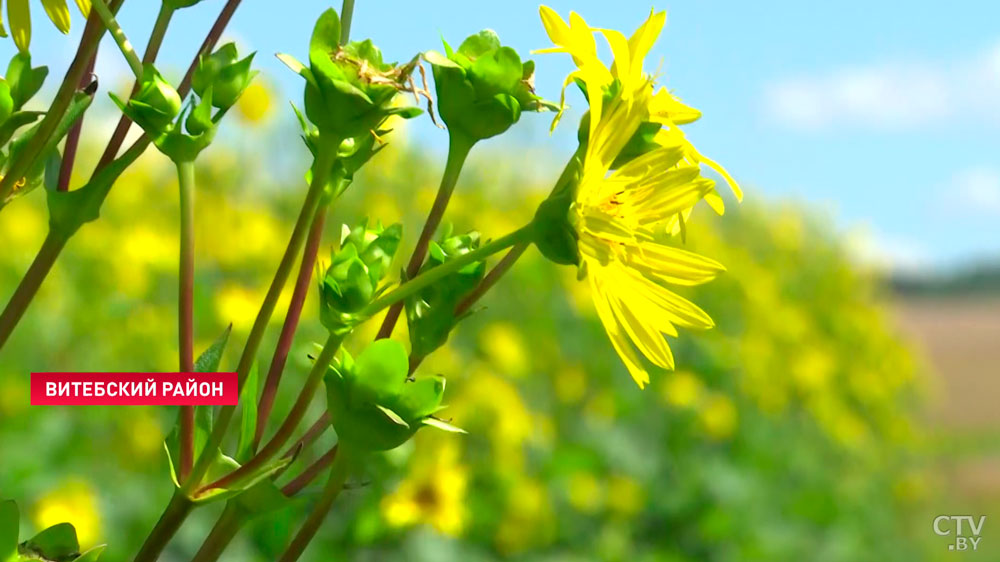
(380, 370)
(393, 416)
(437, 59)
(55, 543)
(261, 499)
(422, 397)
(325, 37)
(92, 555)
(479, 44)
(9, 529)
(224, 465)
(208, 362)
(442, 425)
(499, 71)
(248, 422)
(53, 164)
(200, 119)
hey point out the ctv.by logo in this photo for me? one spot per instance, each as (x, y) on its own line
(964, 526)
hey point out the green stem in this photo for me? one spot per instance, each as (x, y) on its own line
(284, 433)
(433, 275)
(346, 15)
(60, 103)
(30, 284)
(185, 307)
(458, 151)
(171, 520)
(229, 523)
(338, 475)
(325, 156)
(118, 33)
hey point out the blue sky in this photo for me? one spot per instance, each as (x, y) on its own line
(886, 116)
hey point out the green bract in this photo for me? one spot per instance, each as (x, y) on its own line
(349, 89)
(225, 74)
(555, 235)
(6, 101)
(483, 87)
(352, 279)
(57, 543)
(154, 106)
(374, 405)
(430, 313)
(24, 80)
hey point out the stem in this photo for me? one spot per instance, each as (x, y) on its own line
(118, 33)
(175, 514)
(185, 308)
(310, 473)
(521, 235)
(338, 475)
(302, 283)
(88, 46)
(29, 285)
(498, 271)
(346, 15)
(458, 151)
(325, 156)
(229, 523)
(73, 137)
(296, 414)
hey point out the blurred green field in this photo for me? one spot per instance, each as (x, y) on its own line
(798, 429)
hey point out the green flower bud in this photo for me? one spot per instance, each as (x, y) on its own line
(24, 81)
(483, 87)
(555, 235)
(351, 281)
(374, 405)
(154, 106)
(430, 313)
(349, 89)
(225, 74)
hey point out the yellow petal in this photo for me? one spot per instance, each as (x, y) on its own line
(84, 6)
(555, 27)
(673, 265)
(3, 31)
(20, 23)
(643, 39)
(725, 175)
(665, 107)
(58, 12)
(618, 339)
(622, 65)
(649, 341)
(681, 311)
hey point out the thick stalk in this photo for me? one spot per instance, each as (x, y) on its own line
(433, 275)
(30, 284)
(185, 307)
(458, 151)
(229, 523)
(302, 286)
(284, 433)
(148, 57)
(175, 514)
(118, 34)
(325, 156)
(338, 475)
(88, 46)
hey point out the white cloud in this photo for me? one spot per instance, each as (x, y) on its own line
(886, 252)
(891, 95)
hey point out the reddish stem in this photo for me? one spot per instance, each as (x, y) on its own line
(310, 473)
(73, 137)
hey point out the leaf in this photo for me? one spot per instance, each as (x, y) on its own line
(442, 425)
(248, 422)
(55, 543)
(393, 416)
(380, 370)
(92, 555)
(422, 397)
(9, 528)
(479, 44)
(263, 498)
(224, 465)
(208, 362)
(53, 164)
(437, 59)
(325, 37)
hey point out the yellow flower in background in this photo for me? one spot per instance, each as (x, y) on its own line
(256, 103)
(585, 492)
(238, 305)
(625, 495)
(73, 502)
(682, 389)
(623, 216)
(433, 493)
(505, 348)
(19, 16)
(718, 417)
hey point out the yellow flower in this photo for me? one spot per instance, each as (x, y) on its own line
(254, 106)
(434, 493)
(73, 503)
(718, 417)
(20, 18)
(622, 217)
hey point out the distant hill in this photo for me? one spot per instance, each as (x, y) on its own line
(979, 279)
